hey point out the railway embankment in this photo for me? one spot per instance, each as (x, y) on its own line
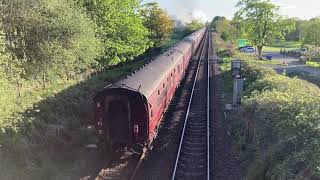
(43, 133)
(276, 129)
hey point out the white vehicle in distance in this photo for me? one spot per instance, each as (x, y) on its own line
(247, 49)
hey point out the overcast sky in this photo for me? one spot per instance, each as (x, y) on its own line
(207, 9)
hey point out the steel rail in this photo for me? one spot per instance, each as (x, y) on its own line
(208, 109)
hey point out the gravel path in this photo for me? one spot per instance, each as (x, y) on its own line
(293, 64)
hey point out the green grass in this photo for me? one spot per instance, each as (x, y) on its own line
(288, 45)
(271, 49)
(313, 64)
(267, 62)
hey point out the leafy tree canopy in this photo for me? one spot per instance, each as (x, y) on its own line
(120, 28)
(223, 27)
(49, 36)
(261, 22)
(312, 33)
(192, 26)
(159, 23)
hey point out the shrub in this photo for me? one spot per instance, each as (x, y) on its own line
(282, 117)
(312, 54)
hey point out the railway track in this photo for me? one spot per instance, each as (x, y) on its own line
(193, 157)
(118, 170)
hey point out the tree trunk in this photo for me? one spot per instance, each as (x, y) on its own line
(260, 52)
(44, 79)
(19, 87)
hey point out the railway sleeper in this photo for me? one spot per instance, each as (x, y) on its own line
(196, 133)
(193, 143)
(194, 149)
(196, 137)
(194, 167)
(192, 161)
(196, 130)
(194, 154)
(197, 118)
(197, 126)
(191, 173)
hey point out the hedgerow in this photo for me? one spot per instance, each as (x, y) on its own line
(281, 134)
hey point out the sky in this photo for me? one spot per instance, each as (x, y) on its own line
(204, 10)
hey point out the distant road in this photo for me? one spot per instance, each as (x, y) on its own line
(293, 64)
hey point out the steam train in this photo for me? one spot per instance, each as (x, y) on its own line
(129, 111)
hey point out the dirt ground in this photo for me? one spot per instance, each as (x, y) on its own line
(226, 165)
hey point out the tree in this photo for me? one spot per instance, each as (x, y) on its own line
(223, 27)
(261, 22)
(298, 33)
(159, 23)
(312, 54)
(11, 69)
(49, 37)
(312, 34)
(121, 28)
(191, 27)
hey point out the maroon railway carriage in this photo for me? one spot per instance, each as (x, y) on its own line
(128, 112)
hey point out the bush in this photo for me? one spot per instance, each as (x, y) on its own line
(312, 54)
(254, 71)
(282, 117)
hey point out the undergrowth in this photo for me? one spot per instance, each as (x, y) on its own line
(42, 130)
(278, 132)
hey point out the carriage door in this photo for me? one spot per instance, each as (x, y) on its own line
(118, 115)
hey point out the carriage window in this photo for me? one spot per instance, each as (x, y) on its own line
(171, 74)
(163, 85)
(158, 92)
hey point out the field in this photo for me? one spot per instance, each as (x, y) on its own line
(313, 64)
(288, 46)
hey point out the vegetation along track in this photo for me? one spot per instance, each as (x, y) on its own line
(192, 161)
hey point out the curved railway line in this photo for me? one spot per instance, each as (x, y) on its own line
(193, 157)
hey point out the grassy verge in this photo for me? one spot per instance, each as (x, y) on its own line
(35, 150)
(227, 80)
(313, 64)
(288, 46)
(277, 135)
(275, 131)
(30, 145)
